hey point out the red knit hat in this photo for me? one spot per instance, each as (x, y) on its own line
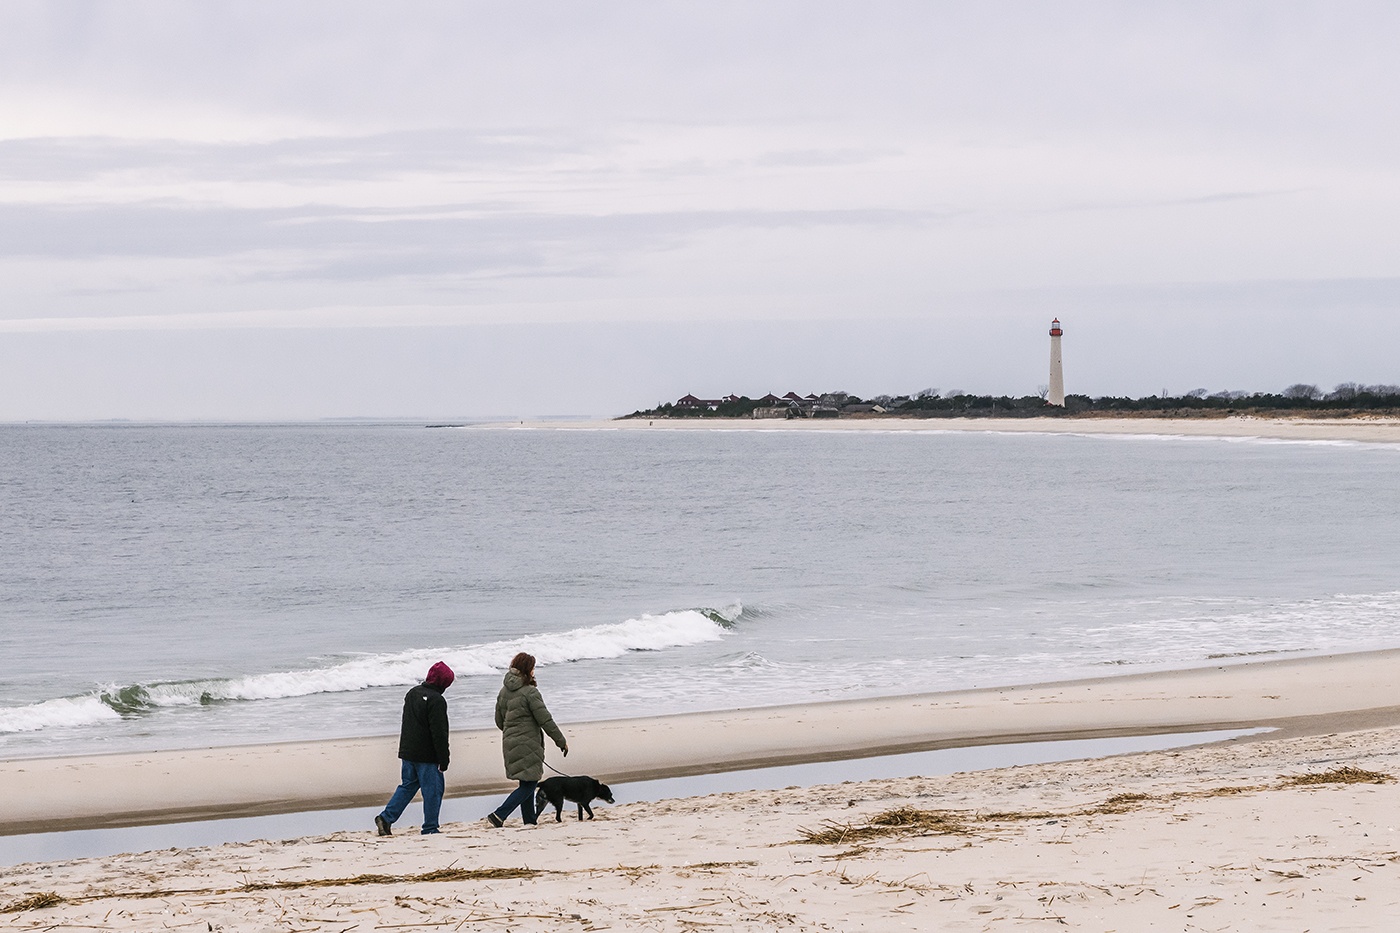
(440, 676)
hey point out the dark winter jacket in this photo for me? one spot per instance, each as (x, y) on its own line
(424, 733)
(521, 715)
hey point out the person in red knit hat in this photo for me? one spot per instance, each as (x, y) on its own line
(423, 751)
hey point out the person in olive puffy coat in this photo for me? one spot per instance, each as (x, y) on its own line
(523, 719)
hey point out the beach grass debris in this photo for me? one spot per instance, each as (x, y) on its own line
(1014, 816)
(253, 887)
(900, 884)
(1228, 790)
(33, 902)
(439, 875)
(853, 852)
(635, 872)
(1346, 774)
(715, 866)
(1120, 803)
(893, 822)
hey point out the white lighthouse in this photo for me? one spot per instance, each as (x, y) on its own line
(1057, 369)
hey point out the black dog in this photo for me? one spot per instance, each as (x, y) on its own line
(580, 790)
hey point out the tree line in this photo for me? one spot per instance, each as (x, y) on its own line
(1301, 397)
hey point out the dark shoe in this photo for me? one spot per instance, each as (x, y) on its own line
(429, 832)
(494, 820)
(382, 825)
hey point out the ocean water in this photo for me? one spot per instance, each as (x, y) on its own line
(177, 586)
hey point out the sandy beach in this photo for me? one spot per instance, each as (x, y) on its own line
(1262, 833)
(1378, 430)
(1297, 834)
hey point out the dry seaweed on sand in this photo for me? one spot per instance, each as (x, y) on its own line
(898, 821)
(714, 866)
(441, 874)
(33, 902)
(853, 852)
(1343, 775)
(903, 884)
(1123, 801)
(916, 819)
(1230, 790)
(1118, 803)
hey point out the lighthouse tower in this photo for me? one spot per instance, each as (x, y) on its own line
(1057, 369)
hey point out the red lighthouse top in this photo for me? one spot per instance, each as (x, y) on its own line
(1055, 328)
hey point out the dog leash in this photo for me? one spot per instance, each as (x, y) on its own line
(556, 770)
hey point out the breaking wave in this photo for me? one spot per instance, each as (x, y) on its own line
(54, 714)
(114, 702)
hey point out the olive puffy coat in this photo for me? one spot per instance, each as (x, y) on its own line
(522, 718)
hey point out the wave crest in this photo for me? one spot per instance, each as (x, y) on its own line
(114, 702)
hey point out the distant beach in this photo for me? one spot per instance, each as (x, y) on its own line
(1381, 430)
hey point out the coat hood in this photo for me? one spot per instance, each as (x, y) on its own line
(513, 681)
(440, 676)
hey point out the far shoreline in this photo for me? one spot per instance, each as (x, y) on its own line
(1378, 430)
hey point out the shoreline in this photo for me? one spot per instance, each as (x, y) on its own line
(95, 843)
(1357, 430)
(1296, 696)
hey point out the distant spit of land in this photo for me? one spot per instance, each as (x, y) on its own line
(1369, 428)
(1347, 400)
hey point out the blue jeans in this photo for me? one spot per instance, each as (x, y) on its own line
(522, 797)
(418, 775)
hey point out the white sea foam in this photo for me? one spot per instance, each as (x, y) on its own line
(1193, 630)
(646, 633)
(56, 713)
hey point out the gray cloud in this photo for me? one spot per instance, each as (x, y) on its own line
(316, 159)
(375, 243)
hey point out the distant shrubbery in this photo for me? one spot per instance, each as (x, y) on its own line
(740, 409)
(1346, 397)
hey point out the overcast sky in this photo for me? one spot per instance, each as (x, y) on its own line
(298, 210)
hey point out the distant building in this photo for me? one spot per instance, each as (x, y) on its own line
(790, 405)
(693, 403)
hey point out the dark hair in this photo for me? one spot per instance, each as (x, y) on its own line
(524, 665)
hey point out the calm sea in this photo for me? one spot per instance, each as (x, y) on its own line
(174, 586)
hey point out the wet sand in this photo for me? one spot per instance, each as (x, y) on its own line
(1297, 695)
